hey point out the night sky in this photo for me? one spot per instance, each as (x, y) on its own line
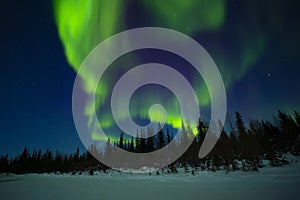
(255, 45)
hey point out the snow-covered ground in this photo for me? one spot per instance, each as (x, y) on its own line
(269, 183)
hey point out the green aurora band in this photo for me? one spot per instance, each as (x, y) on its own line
(82, 24)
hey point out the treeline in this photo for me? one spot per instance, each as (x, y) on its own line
(47, 162)
(241, 148)
(246, 148)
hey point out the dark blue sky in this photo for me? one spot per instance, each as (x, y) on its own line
(36, 80)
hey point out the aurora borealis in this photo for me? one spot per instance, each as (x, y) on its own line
(253, 43)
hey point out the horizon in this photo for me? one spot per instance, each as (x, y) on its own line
(115, 139)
